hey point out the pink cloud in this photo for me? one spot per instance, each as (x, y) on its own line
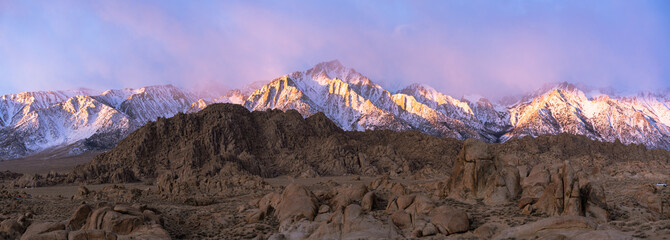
(459, 49)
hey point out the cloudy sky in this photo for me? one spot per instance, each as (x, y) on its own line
(492, 48)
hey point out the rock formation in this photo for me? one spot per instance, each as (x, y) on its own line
(477, 174)
(105, 221)
(557, 190)
(562, 227)
(341, 215)
(211, 149)
(654, 197)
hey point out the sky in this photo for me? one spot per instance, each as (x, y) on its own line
(491, 48)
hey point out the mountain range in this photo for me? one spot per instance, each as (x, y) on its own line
(84, 120)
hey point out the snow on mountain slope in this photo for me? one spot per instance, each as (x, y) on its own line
(314, 91)
(478, 114)
(35, 121)
(115, 97)
(63, 123)
(333, 90)
(233, 96)
(354, 102)
(149, 103)
(13, 106)
(565, 108)
(282, 94)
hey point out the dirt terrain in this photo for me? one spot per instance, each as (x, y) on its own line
(45, 163)
(226, 218)
(226, 173)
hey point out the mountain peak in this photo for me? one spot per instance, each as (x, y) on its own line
(334, 68)
(165, 86)
(549, 87)
(419, 86)
(329, 65)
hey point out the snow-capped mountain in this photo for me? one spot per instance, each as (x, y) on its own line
(82, 120)
(642, 119)
(354, 102)
(87, 120)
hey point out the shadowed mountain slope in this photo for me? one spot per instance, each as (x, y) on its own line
(264, 143)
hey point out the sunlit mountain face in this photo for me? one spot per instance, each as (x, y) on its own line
(85, 120)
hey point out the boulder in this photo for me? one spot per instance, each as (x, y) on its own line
(488, 230)
(82, 192)
(297, 202)
(104, 222)
(603, 234)
(354, 225)
(269, 202)
(568, 226)
(398, 189)
(256, 216)
(405, 200)
(392, 206)
(449, 220)
(368, 201)
(429, 230)
(45, 230)
(401, 219)
(324, 209)
(352, 211)
(345, 195)
(107, 219)
(91, 235)
(78, 218)
(422, 205)
(11, 229)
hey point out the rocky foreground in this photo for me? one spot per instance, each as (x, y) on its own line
(227, 173)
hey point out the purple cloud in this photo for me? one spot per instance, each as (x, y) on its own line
(460, 47)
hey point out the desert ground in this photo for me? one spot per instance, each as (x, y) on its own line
(229, 217)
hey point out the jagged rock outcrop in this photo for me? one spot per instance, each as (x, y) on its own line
(13, 228)
(477, 174)
(557, 190)
(586, 155)
(115, 193)
(654, 197)
(9, 175)
(104, 222)
(300, 218)
(341, 215)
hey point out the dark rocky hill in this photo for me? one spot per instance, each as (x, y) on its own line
(227, 139)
